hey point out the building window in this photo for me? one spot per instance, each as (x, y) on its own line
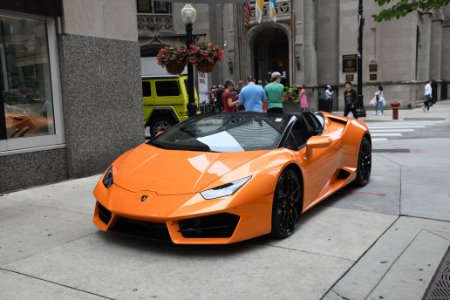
(154, 7)
(29, 84)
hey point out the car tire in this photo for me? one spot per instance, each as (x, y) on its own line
(364, 163)
(286, 207)
(161, 123)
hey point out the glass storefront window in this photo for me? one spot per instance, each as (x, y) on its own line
(25, 78)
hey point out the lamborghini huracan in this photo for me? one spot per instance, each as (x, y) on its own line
(227, 177)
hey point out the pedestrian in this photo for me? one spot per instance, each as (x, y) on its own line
(329, 98)
(274, 91)
(240, 85)
(379, 101)
(219, 92)
(252, 96)
(428, 96)
(350, 100)
(228, 98)
(303, 99)
(212, 98)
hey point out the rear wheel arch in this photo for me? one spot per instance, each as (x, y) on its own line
(162, 112)
(161, 119)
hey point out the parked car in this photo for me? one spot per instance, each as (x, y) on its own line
(227, 177)
(165, 101)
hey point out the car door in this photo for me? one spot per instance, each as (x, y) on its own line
(319, 162)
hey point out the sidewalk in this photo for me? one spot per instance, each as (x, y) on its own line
(383, 241)
(441, 110)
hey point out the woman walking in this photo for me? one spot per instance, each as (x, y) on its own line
(379, 102)
(303, 99)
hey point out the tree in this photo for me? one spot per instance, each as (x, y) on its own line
(401, 8)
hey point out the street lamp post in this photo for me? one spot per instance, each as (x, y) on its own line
(360, 109)
(188, 15)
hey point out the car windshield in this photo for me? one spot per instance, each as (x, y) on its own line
(225, 132)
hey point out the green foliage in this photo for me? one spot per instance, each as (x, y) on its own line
(401, 8)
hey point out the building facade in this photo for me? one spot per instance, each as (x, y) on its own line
(315, 43)
(70, 98)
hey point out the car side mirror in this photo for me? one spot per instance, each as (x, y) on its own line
(317, 142)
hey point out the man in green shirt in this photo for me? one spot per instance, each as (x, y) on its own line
(274, 91)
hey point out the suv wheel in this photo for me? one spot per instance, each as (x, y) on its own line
(161, 123)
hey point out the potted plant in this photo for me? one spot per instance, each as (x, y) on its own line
(204, 55)
(290, 99)
(173, 59)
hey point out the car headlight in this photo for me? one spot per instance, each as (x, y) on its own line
(108, 178)
(224, 190)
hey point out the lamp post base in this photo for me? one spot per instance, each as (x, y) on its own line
(192, 109)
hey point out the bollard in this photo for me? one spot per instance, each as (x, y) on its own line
(395, 106)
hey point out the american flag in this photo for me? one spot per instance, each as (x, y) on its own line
(247, 14)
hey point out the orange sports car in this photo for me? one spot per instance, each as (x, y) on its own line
(227, 177)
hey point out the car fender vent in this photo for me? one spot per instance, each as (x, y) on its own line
(343, 174)
(338, 119)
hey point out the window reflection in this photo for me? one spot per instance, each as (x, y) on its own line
(25, 76)
(155, 7)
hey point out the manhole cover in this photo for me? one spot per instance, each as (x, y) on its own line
(391, 150)
(439, 288)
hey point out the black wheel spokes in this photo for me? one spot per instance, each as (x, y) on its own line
(365, 160)
(288, 210)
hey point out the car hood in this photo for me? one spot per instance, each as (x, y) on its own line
(169, 172)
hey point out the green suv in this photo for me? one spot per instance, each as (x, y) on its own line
(165, 100)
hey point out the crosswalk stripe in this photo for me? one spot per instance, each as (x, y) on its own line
(396, 127)
(386, 134)
(391, 130)
(379, 140)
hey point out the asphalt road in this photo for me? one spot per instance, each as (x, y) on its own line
(383, 241)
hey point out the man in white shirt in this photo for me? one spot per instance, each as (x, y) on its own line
(427, 94)
(329, 97)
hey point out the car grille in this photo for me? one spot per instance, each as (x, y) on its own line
(148, 230)
(215, 226)
(103, 213)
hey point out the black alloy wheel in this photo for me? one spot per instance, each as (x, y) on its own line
(160, 124)
(286, 207)
(364, 163)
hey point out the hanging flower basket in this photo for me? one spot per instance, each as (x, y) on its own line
(173, 59)
(205, 67)
(174, 68)
(204, 55)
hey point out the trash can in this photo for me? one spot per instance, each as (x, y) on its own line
(395, 106)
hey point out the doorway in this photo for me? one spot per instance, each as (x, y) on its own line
(271, 53)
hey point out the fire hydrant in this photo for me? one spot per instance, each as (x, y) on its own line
(395, 106)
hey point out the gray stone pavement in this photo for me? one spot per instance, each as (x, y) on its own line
(383, 241)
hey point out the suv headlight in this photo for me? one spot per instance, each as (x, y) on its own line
(108, 178)
(224, 190)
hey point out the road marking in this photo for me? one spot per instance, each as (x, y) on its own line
(379, 140)
(391, 130)
(396, 127)
(386, 134)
